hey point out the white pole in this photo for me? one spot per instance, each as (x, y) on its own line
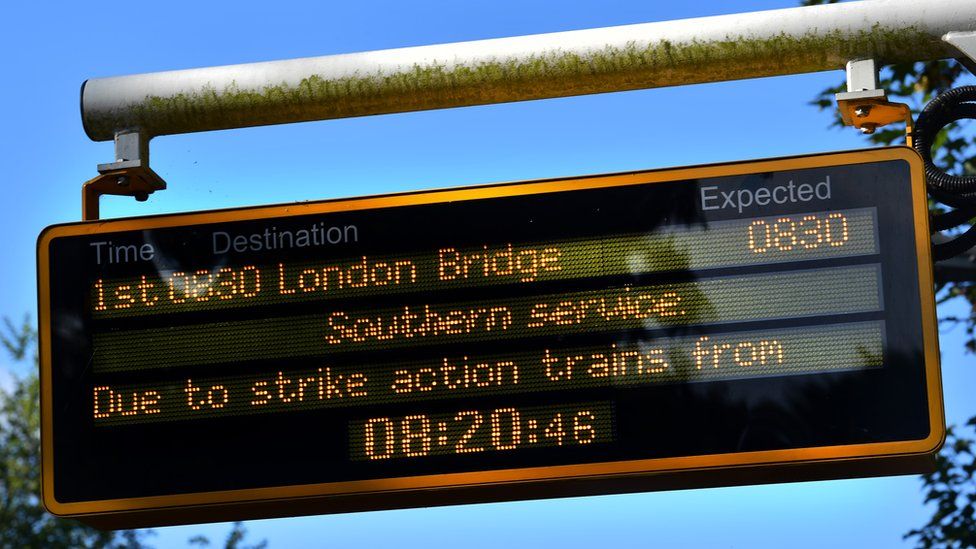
(708, 49)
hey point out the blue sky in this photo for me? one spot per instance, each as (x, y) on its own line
(50, 49)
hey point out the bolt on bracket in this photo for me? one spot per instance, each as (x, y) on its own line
(865, 106)
(129, 175)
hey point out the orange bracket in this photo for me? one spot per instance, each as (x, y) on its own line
(129, 175)
(869, 113)
(865, 105)
(139, 182)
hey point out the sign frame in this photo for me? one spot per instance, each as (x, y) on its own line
(872, 459)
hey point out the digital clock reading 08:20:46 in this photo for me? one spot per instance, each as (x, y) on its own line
(475, 431)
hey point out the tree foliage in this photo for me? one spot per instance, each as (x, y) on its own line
(951, 488)
(23, 520)
(953, 493)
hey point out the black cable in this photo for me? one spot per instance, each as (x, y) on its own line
(950, 200)
(956, 246)
(952, 190)
(946, 108)
(951, 219)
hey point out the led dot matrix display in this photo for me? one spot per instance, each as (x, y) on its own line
(499, 342)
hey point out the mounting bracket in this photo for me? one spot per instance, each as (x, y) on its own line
(129, 175)
(965, 42)
(865, 105)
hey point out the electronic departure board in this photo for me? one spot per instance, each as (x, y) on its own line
(743, 323)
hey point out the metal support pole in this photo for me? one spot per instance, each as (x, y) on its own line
(708, 49)
(965, 42)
